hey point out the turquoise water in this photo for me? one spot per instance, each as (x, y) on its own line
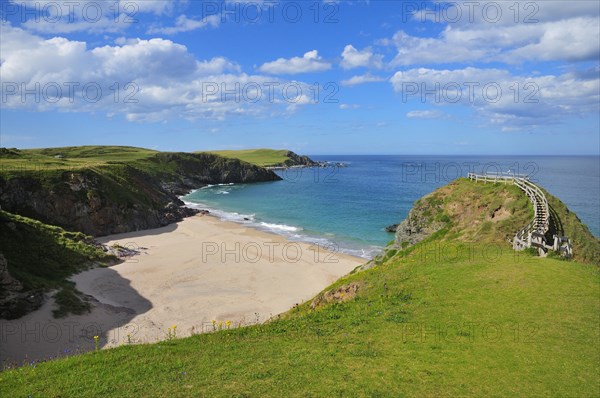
(349, 207)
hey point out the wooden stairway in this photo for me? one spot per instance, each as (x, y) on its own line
(535, 234)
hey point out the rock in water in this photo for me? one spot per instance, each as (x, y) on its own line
(391, 228)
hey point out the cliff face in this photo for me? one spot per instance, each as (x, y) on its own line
(121, 197)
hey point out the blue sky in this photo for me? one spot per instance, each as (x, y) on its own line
(318, 77)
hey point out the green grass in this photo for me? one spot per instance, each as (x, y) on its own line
(122, 178)
(75, 158)
(420, 326)
(444, 318)
(493, 213)
(259, 157)
(70, 301)
(39, 161)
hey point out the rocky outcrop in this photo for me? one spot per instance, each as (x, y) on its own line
(338, 295)
(14, 301)
(298, 160)
(8, 284)
(122, 197)
(392, 228)
(415, 228)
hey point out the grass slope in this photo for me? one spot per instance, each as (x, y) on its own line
(444, 318)
(259, 157)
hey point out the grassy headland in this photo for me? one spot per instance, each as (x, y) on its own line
(266, 157)
(104, 190)
(21, 161)
(457, 314)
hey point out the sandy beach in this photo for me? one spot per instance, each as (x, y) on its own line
(186, 275)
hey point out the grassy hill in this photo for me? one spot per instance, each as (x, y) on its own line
(448, 316)
(264, 157)
(466, 211)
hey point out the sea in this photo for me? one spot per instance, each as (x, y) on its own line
(346, 206)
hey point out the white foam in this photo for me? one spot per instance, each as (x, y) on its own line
(290, 232)
(213, 185)
(281, 227)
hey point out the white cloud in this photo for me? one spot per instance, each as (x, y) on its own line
(353, 58)
(349, 106)
(428, 114)
(309, 62)
(132, 7)
(94, 16)
(185, 24)
(361, 79)
(143, 80)
(144, 59)
(158, 7)
(216, 65)
(56, 17)
(503, 98)
(573, 39)
(104, 25)
(500, 13)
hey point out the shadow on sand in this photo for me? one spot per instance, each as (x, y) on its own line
(39, 336)
(136, 234)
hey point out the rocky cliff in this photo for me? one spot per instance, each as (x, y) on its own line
(298, 160)
(121, 197)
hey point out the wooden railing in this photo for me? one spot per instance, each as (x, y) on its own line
(534, 233)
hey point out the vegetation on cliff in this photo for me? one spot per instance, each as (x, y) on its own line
(466, 211)
(458, 313)
(93, 190)
(37, 258)
(268, 157)
(105, 190)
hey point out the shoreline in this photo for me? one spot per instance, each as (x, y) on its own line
(289, 232)
(186, 274)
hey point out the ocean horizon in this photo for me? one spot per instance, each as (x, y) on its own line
(347, 208)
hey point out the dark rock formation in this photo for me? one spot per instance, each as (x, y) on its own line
(298, 160)
(122, 197)
(415, 228)
(14, 301)
(391, 228)
(7, 283)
